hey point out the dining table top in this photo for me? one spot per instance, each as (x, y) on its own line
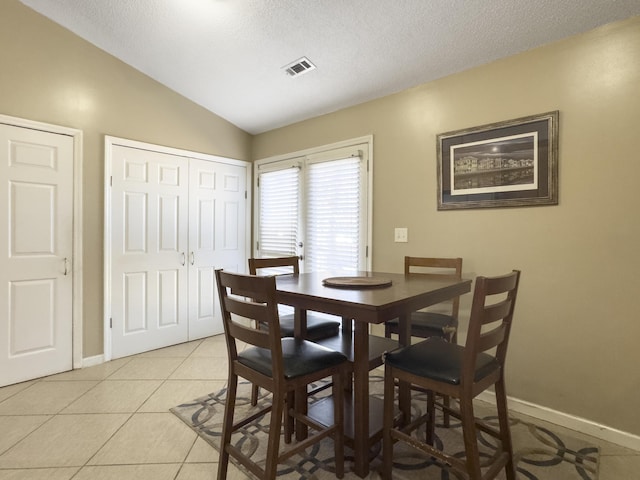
(399, 293)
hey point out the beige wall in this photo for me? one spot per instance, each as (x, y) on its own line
(50, 75)
(575, 340)
(578, 318)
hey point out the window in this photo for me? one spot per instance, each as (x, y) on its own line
(316, 206)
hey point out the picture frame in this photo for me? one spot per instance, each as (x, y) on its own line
(513, 163)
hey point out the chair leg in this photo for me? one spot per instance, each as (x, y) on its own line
(505, 430)
(273, 442)
(446, 400)
(288, 418)
(472, 454)
(255, 391)
(431, 417)
(338, 419)
(387, 442)
(227, 426)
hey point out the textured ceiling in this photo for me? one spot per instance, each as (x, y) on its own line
(227, 55)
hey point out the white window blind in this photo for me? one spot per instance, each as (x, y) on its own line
(279, 219)
(333, 213)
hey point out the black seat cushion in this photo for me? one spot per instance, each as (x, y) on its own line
(317, 327)
(439, 360)
(301, 357)
(430, 322)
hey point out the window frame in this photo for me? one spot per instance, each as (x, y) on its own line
(301, 159)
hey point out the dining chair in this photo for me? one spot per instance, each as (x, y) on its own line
(426, 324)
(318, 326)
(280, 365)
(461, 372)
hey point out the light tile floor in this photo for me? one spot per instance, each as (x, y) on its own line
(112, 421)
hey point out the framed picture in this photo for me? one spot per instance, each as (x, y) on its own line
(506, 164)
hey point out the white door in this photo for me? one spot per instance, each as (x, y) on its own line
(217, 238)
(36, 246)
(149, 271)
(174, 220)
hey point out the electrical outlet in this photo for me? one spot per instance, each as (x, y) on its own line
(401, 235)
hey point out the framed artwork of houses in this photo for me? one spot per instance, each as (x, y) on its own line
(507, 164)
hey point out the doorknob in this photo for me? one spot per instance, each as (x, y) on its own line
(66, 270)
(193, 258)
(183, 259)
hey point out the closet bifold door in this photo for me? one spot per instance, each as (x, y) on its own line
(149, 268)
(174, 219)
(217, 236)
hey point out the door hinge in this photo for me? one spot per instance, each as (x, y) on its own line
(111, 322)
(111, 181)
(245, 194)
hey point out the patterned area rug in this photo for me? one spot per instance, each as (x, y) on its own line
(540, 454)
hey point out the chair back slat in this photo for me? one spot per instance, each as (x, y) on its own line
(430, 262)
(496, 312)
(491, 339)
(484, 332)
(247, 308)
(282, 264)
(502, 284)
(249, 335)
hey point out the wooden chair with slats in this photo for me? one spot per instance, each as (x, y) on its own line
(426, 324)
(318, 326)
(279, 365)
(461, 372)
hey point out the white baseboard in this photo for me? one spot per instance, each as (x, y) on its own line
(582, 425)
(92, 361)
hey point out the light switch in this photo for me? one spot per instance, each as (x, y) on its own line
(401, 235)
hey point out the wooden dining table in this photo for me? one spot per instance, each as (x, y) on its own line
(361, 305)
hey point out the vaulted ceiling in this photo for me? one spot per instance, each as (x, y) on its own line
(228, 55)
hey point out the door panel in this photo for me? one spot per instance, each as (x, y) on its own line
(135, 305)
(32, 227)
(135, 223)
(31, 324)
(36, 247)
(231, 227)
(168, 301)
(149, 241)
(216, 239)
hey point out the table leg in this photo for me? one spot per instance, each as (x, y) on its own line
(300, 323)
(404, 389)
(347, 331)
(361, 399)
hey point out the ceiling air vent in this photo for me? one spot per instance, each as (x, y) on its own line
(299, 67)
